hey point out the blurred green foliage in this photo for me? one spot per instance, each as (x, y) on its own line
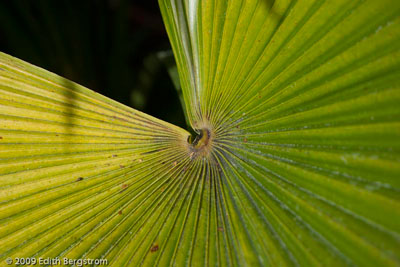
(108, 46)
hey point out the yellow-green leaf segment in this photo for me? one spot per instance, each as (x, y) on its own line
(297, 161)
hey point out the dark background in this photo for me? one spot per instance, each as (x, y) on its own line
(109, 46)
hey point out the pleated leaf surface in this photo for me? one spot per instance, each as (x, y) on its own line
(297, 161)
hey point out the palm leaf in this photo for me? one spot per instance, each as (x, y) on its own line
(296, 162)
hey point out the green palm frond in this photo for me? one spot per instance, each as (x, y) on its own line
(297, 161)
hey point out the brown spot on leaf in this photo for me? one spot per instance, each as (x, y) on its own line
(79, 179)
(114, 156)
(1, 137)
(121, 166)
(120, 212)
(154, 248)
(124, 187)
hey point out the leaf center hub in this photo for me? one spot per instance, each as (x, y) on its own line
(202, 143)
